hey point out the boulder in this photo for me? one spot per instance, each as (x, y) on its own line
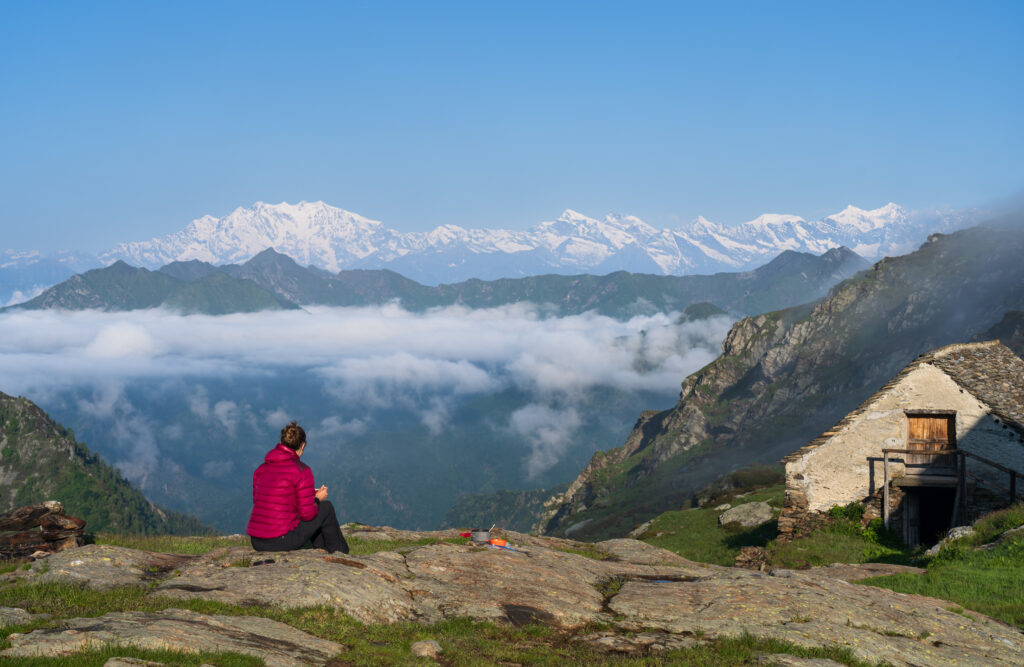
(428, 648)
(26, 531)
(277, 644)
(954, 533)
(814, 611)
(13, 616)
(104, 567)
(748, 515)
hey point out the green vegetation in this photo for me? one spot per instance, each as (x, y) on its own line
(191, 545)
(695, 533)
(99, 657)
(200, 545)
(42, 461)
(588, 552)
(778, 391)
(123, 287)
(841, 539)
(465, 642)
(988, 580)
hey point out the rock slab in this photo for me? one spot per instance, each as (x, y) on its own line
(648, 598)
(748, 515)
(277, 644)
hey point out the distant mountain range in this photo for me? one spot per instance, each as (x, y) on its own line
(329, 238)
(273, 281)
(785, 376)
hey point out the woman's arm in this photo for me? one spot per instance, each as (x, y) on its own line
(305, 495)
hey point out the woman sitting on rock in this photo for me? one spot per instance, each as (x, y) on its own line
(286, 511)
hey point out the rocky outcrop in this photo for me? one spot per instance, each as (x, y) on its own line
(277, 644)
(747, 515)
(39, 529)
(784, 377)
(647, 599)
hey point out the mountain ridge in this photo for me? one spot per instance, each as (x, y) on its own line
(785, 376)
(271, 280)
(334, 239)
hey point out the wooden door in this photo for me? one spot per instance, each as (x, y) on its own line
(929, 432)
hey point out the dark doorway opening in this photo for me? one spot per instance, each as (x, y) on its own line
(929, 511)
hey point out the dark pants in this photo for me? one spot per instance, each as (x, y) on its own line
(323, 530)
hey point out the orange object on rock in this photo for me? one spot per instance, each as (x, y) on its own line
(499, 543)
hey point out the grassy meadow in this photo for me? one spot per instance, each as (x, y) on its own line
(975, 574)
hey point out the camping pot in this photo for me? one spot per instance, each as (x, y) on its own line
(480, 536)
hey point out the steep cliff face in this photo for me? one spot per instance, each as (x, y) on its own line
(783, 377)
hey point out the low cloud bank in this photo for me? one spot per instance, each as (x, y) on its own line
(389, 349)
(379, 357)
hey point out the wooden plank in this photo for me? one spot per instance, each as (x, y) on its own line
(935, 481)
(885, 489)
(993, 464)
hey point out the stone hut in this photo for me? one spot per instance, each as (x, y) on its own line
(965, 400)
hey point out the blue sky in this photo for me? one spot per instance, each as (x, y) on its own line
(125, 121)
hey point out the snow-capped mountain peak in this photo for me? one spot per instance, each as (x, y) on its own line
(852, 217)
(332, 238)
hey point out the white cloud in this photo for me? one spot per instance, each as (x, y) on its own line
(226, 413)
(548, 432)
(122, 339)
(335, 428)
(456, 350)
(199, 403)
(369, 358)
(277, 418)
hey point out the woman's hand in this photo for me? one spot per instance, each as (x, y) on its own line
(321, 493)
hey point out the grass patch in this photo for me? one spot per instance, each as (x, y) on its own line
(361, 547)
(12, 565)
(588, 552)
(98, 657)
(988, 582)
(839, 542)
(696, 535)
(171, 544)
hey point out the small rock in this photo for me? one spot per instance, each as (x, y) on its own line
(748, 515)
(132, 662)
(13, 616)
(955, 533)
(786, 660)
(723, 507)
(427, 648)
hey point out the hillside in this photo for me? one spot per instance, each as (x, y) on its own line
(123, 287)
(790, 278)
(40, 460)
(271, 281)
(785, 376)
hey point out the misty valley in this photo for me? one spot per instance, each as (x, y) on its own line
(404, 411)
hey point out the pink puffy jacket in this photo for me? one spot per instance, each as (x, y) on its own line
(282, 494)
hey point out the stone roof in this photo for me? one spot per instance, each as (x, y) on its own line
(990, 371)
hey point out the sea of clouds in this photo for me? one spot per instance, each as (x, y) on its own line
(372, 357)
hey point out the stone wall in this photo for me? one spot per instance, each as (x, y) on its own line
(847, 466)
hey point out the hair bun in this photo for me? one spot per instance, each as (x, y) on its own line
(293, 436)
